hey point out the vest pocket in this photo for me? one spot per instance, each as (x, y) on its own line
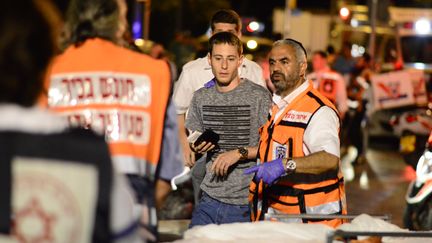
(281, 144)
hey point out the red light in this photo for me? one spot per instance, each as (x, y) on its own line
(411, 118)
(408, 25)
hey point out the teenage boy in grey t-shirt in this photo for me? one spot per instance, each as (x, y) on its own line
(234, 108)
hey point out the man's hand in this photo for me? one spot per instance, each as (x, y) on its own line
(188, 154)
(222, 163)
(203, 147)
(269, 172)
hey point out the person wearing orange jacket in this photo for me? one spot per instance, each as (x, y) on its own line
(57, 182)
(299, 171)
(329, 82)
(123, 94)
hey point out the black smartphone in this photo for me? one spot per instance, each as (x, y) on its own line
(207, 136)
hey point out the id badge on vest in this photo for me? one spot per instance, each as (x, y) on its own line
(279, 151)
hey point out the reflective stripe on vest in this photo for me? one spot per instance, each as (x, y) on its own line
(283, 138)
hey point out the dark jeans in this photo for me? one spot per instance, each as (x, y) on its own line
(212, 211)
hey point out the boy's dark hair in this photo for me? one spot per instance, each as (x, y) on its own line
(227, 16)
(27, 45)
(225, 38)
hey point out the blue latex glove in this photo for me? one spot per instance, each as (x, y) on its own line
(269, 172)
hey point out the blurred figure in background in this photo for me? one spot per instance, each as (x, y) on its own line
(328, 82)
(344, 61)
(331, 55)
(359, 94)
(99, 84)
(158, 51)
(57, 182)
(183, 47)
(193, 77)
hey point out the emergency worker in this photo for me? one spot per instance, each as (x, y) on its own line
(57, 182)
(123, 94)
(328, 82)
(299, 145)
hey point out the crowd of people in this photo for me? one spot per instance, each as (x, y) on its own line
(92, 130)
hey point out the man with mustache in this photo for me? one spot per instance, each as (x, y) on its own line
(299, 146)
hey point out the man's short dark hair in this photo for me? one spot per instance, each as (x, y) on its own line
(226, 16)
(225, 38)
(87, 19)
(27, 45)
(321, 53)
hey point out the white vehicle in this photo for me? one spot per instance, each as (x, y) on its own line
(415, 36)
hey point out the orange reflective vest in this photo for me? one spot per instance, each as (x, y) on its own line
(297, 193)
(327, 84)
(117, 92)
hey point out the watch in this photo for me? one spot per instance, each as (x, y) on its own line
(243, 153)
(290, 166)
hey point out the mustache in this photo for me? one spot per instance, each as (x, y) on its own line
(276, 73)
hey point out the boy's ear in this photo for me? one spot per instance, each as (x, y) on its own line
(209, 58)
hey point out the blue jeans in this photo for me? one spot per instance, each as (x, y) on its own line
(212, 211)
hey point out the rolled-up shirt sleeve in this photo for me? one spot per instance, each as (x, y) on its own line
(322, 133)
(171, 161)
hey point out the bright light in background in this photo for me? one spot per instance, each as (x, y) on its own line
(357, 51)
(136, 29)
(422, 26)
(354, 23)
(419, 65)
(139, 42)
(253, 26)
(344, 13)
(252, 44)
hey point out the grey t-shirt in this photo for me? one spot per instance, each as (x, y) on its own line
(236, 116)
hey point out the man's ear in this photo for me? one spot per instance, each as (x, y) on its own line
(303, 67)
(209, 58)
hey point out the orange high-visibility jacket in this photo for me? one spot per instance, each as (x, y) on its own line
(118, 92)
(297, 193)
(327, 84)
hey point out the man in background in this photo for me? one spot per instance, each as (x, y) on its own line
(328, 82)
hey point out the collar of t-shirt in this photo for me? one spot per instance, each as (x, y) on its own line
(281, 103)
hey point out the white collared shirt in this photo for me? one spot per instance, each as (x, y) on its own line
(322, 133)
